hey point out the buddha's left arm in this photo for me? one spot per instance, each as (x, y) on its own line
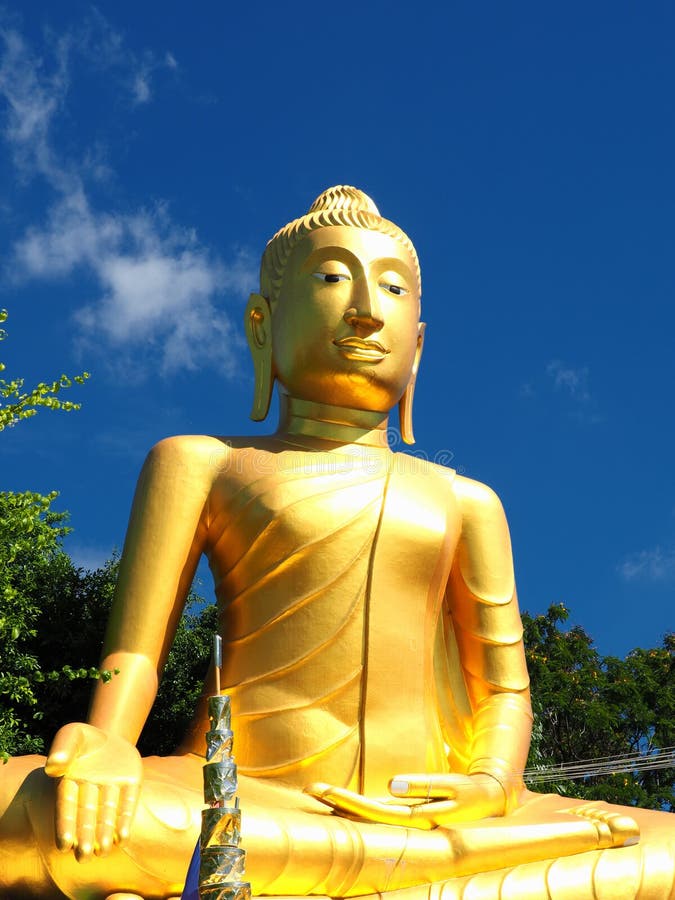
(482, 603)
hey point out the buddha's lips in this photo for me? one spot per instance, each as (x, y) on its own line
(357, 348)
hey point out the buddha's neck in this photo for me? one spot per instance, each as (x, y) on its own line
(340, 424)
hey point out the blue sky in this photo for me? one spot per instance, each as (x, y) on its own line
(148, 151)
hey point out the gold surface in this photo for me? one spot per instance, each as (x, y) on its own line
(371, 632)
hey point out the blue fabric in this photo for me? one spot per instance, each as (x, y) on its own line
(191, 889)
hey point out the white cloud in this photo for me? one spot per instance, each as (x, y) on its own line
(33, 95)
(572, 383)
(657, 564)
(159, 290)
(141, 88)
(570, 379)
(105, 49)
(142, 72)
(158, 285)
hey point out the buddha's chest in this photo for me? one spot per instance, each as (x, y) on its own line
(318, 520)
(330, 585)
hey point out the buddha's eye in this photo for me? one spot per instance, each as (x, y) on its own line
(393, 288)
(330, 277)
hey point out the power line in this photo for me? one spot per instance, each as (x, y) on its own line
(663, 758)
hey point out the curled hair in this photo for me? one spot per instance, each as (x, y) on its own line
(340, 205)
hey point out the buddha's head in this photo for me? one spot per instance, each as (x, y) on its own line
(337, 317)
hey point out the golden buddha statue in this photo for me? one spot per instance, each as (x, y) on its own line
(372, 641)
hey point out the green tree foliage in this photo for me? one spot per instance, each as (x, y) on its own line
(22, 404)
(183, 680)
(589, 706)
(39, 614)
(52, 621)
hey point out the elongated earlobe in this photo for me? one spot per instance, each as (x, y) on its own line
(258, 325)
(405, 404)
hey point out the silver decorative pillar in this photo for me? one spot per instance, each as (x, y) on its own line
(221, 870)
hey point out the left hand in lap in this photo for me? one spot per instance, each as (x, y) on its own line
(433, 800)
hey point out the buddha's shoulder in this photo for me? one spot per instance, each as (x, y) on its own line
(473, 497)
(477, 501)
(200, 452)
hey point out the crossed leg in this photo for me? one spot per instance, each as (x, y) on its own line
(294, 845)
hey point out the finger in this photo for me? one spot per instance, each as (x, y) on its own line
(64, 749)
(427, 787)
(65, 817)
(107, 817)
(353, 804)
(438, 813)
(87, 814)
(126, 810)
(463, 809)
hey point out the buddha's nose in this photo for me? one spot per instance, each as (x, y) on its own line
(365, 316)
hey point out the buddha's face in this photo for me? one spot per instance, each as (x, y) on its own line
(345, 323)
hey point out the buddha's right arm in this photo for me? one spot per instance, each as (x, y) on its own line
(165, 538)
(98, 764)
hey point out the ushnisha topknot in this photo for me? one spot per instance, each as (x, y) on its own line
(344, 197)
(339, 205)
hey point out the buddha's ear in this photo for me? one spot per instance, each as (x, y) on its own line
(258, 325)
(405, 404)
